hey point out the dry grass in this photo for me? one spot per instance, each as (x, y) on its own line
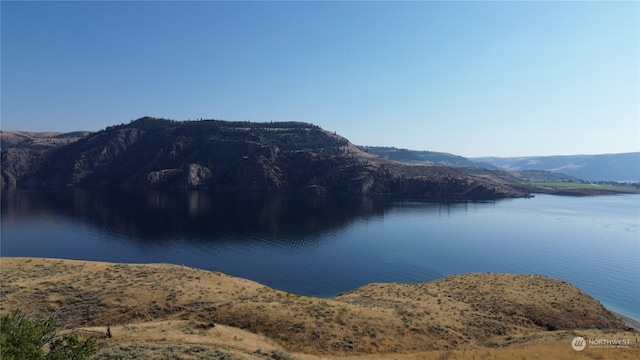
(11, 138)
(167, 311)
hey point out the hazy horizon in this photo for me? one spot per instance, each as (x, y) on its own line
(476, 79)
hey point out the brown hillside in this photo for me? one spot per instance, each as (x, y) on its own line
(177, 305)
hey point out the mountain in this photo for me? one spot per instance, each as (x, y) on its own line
(624, 167)
(231, 156)
(606, 167)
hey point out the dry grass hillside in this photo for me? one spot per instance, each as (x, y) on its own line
(175, 312)
(10, 138)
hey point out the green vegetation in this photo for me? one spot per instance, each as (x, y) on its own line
(24, 338)
(631, 188)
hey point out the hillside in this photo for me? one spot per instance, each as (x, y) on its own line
(234, 156)
(419, 156)
(169, 309)
(623, 167)
(604, 167)
(24, 152)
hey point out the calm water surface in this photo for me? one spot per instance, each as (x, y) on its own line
(326, 245)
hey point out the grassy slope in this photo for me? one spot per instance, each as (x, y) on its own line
(164, 310)
(10, 138)
(583, 188)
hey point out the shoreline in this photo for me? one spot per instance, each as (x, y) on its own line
(162, 306)
(630, 322)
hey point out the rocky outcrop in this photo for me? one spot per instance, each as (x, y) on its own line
(191, 176)
(162, 177)
(233, 156)
(197, 175)
(361, 184)
(23, 153)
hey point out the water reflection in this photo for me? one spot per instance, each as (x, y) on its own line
(196, 215)
(325, 245)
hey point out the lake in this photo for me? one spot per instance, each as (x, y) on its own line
(325, 245)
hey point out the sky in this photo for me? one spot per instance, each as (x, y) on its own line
(469, 78)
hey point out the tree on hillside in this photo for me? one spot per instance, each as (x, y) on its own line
(24, 338)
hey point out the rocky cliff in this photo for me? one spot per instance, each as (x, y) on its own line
(232, 156)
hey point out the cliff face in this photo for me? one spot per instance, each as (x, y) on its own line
(208, 154)
(231, 156)
(23, 153)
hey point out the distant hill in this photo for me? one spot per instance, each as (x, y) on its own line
(623, 167)
(606, 167)
(417, 156)
(231, 156)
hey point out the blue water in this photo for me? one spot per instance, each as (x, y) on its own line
(325, 246)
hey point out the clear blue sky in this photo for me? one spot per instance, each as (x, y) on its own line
(469, 78)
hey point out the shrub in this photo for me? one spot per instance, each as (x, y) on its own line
(24, 338)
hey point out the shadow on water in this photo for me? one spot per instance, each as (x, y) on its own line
(199, 216)
(298, 242)
(305, 244)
